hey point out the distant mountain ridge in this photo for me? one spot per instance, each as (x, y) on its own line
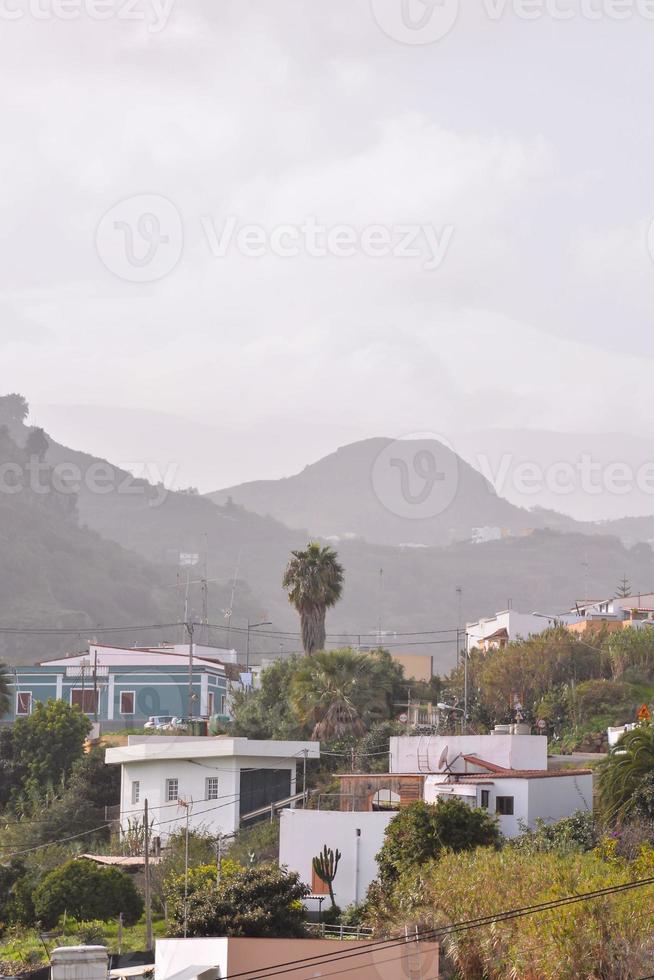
(114, 558)
(367, 489)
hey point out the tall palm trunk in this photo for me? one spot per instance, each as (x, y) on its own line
(312, 625)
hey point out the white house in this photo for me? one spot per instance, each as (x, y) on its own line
(213, 781)
(518, 798)
(358, 836)
(504, 773)
(494, 632)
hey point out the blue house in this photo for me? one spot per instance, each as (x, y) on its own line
(122, 687)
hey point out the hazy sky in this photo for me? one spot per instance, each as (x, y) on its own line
(515, 156)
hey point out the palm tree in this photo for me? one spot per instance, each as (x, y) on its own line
(314, 582)
(5, 697)
(621, 774)
(333, 691)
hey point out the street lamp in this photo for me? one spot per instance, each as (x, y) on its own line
(463, 711)
(251, 626)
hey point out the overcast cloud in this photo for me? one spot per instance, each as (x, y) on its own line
(521, 151)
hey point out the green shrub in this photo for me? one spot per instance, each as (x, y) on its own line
(87, 891)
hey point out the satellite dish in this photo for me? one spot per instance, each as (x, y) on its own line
(442, 762)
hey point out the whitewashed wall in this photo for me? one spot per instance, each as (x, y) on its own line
(508, 751)
(304, 833)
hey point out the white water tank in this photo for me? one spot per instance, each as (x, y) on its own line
(79, 963)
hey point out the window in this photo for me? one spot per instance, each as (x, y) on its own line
(127, 702)
(86, 701)
(24, 703)
(504, 806)
(210, 700)
(485, 798)
(211, 788)
(223, 704)
(172, 790)
(136, 791)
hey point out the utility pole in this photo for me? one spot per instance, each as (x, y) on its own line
(219, 857)
(148, 895)
(187, 805)
(305, 753)
(465, 687)
(459, 621)
(189, 628)
(251, 626)
(95, 685)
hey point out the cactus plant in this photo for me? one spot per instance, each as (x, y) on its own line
(325, 866)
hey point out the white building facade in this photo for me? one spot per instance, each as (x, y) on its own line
(494, 632)
(214, 782)
(518, 799)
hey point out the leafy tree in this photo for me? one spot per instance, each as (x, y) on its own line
(643, 807)
(314, 582)
(422, 832)
(5, 697)
(528, 669)
(621, 775)
(575, 833)
(87, 891)
(50, 740)
(609, 699)
(631, 648)
(339, 692)
(267, 711)
(37, 443)
(265, 901)
(13, 408)
(371, 751)
(93, 781)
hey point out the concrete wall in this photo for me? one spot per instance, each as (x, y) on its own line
(552, 799)
(236, 956)
(417, 666)
(304, 833)
(422, 753)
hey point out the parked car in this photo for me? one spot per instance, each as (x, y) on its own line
(177, 724)
(158, 721)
